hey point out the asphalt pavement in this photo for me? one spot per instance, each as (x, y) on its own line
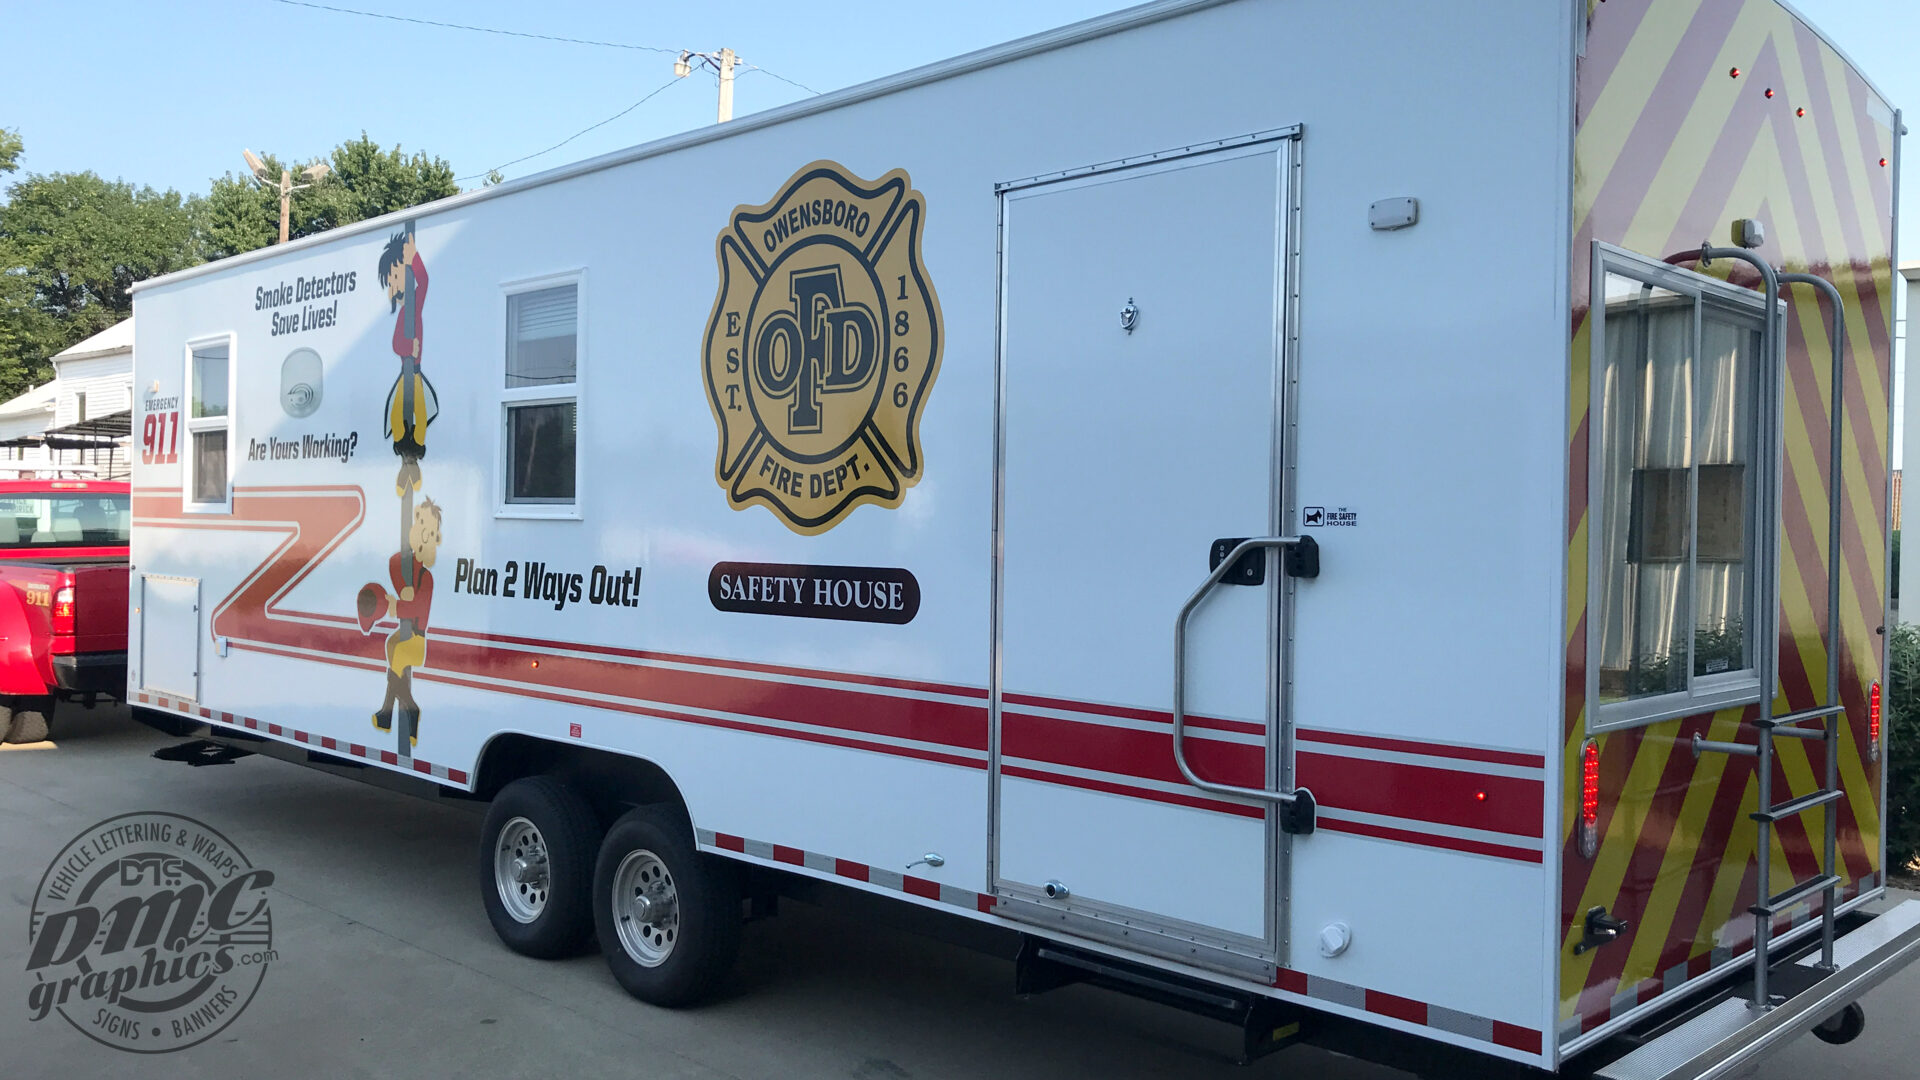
(384, 964)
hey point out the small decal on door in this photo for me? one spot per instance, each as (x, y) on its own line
(1316, 517)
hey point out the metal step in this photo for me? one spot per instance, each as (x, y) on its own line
(1774, 905)
(1796, 807)
(1725, 1039)
(1265, 1024)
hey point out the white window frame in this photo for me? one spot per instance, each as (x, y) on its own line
(541, 395)
(191, 424)
(1704, 693)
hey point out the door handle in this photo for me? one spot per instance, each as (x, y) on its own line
(1297, 805)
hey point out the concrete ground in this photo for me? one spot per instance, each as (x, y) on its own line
(388, 968)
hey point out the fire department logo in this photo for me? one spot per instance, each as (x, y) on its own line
(823, 344)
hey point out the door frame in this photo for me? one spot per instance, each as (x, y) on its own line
(1148, 931)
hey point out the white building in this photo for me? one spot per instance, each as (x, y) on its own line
(77, 425)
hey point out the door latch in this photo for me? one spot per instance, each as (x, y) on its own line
(1300, 559)
(1249, 569)
(1601, 928)
(1296, 817)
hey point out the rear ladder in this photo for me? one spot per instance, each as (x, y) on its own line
(1772, 727)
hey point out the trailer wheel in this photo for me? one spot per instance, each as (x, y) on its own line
(28, 720)
(536, 864)
(1844, 1027)
(668, 917)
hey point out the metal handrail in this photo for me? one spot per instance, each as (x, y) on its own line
(1837, 337)
(1763, 746)
(1274, 543)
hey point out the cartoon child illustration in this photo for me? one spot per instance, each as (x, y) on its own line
(410, 602)
(411, 404)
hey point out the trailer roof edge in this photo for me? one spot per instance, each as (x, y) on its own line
(966, 63)
(1842, 53)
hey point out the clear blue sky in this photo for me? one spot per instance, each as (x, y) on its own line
(169, 93)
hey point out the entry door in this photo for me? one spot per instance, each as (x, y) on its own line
(1141, 392)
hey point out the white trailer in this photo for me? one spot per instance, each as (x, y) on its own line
(1305, 541)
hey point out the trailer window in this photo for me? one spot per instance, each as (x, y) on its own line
(541, 407)
(1674, 623)
(209, 374)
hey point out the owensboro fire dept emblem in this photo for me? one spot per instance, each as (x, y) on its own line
(823, 344)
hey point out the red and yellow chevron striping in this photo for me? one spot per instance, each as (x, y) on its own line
(1671, 146)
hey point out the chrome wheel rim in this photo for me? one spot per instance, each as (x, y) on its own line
(521, 872)
(646, 908)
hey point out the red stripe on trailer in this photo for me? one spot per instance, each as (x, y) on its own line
(1176, 799)
(1515, 1037)
(856, 871)
(1425, 749)
(1405, 836)
(1413, 1012)
(1502, 804)
(1292, 981)
(1127, 712)
(734, 725)
(1127, 751)
(955, 690)
(307, 738)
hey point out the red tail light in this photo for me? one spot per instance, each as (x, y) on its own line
(1873, 721)
(63, 610)
(1589, 798)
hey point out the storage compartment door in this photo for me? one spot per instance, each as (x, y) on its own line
(1140, 364)
(169, 622)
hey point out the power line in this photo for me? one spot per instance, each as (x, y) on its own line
(575, 135)
(783, 78)
(480, 29)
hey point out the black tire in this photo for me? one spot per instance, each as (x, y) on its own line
(30, 720)
(701, 945)
(1844, 1026)
(560, 923)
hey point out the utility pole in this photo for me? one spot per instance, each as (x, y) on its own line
(722, 64)
(312, 173)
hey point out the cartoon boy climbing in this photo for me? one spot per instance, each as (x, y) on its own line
(411, 404)
(410, 603)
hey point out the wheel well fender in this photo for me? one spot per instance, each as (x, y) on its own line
(611, 783)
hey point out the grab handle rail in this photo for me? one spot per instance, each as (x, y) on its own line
(1284, 798)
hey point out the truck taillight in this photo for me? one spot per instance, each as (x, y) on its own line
(1589, 798)
(63, 610)
(1873, 721)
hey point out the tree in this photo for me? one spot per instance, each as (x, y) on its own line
(10, 147)
(240, 215)
(71, 246)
